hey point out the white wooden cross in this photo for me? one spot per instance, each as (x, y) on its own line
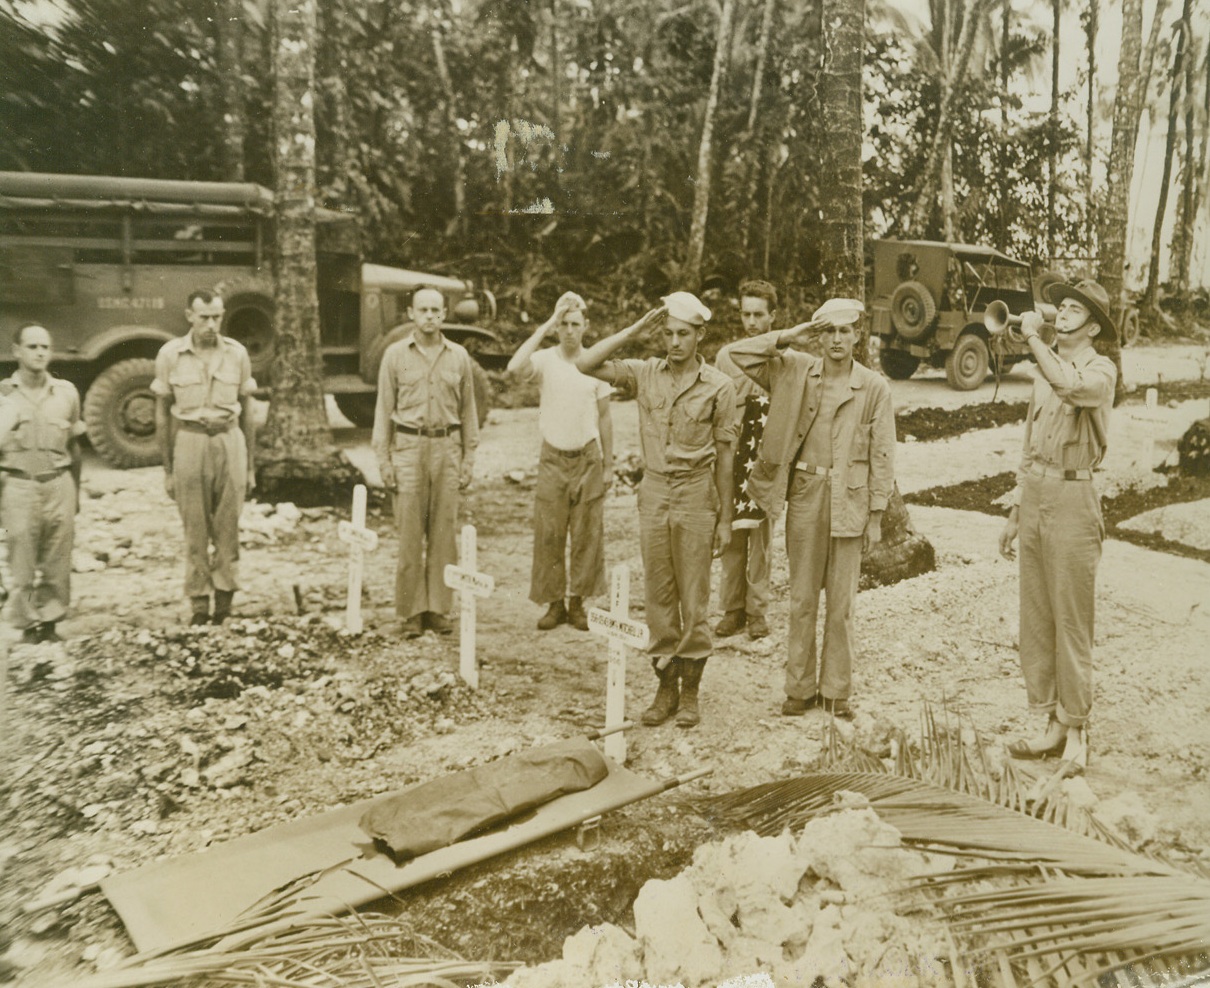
(615, 625)
(360, 540)
(470, 584)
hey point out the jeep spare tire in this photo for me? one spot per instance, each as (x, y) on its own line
(119, 412)
(898, 365)
(967, 365)
(248, 319)
(912, 311)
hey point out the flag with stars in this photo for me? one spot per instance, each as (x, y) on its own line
(756, 413)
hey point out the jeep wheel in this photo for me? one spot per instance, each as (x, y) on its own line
(249, 320)
(358, 408)
(898, 365)
(912, 311)
(1130, 326)
(967, 365)
(119, 411)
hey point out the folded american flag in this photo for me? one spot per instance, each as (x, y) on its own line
(756, 413)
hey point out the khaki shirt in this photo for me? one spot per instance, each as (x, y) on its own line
(1067, 425)
(420, 395)
(678, 428)
(203, 392)
(36, 427)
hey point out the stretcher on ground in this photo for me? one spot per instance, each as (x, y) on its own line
(325, 865)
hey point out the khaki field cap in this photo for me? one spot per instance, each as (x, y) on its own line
(1091, 295)
(840, 311)
(686, 307)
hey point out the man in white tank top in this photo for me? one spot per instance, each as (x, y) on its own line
(574, 470)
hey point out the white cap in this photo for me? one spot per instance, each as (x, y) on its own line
(686, 307)
(840, 311)
(572, 301)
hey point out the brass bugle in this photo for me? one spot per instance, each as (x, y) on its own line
(998, 319)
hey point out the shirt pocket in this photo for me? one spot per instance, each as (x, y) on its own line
(859, 461)
(24, 434)
(411, 393)
(188, 387)
(53, 435)
(693, 421)
(224, 390)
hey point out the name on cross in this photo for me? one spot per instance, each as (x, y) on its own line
(479, 584)
(633, 633)
(361, 538)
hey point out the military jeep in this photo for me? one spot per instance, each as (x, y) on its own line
(928, 304)
(107, 264)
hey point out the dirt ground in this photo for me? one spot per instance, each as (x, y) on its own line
(139, 739)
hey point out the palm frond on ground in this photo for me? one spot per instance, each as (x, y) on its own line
(1051, 892)
(358, 951)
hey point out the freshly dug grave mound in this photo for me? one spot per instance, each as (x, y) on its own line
(813, 909)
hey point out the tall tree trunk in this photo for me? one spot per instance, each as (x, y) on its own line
(1052, 157)
(902, 553)
(756, 158)
(298, 460)
(230, 35)
(457, 223)
(1090, 121)
(1175, 82)
(942, 139)
(691, 274)
(1182, 234)
(1004, 156)
(762, 56)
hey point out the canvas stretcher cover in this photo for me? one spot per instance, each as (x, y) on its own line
(321, 865)
(441, 811)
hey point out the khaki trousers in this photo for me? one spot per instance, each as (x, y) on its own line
(211, 474)
(40, 519)
(569, 499)
(1060, 533)
(677, 515)
(818, 561)
(746, 565)
(426, 517)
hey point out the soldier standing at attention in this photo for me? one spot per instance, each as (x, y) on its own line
(828, 452)
(203, 418)
(574, 470)
(687, 431)
(426, 430)
(744, 589)
(1057, 512)
(40, 458)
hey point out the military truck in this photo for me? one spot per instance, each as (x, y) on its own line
(106, 264)
(928, 304)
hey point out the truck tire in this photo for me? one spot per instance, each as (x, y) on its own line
(912, 311)
(359, 408)
(119, 411)
(898, 365)
(967, 364)
(248, 319)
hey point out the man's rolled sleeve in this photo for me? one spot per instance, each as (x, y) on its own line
(755, 357)
(468, 414)
(247, 381)
(160, 386)
(624, 374)
(882, 451)
(1087, 386)
(380, 439)
(726, 415)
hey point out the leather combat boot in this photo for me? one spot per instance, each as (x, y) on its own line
(732, 623)
(222, 605)
(666, 698)
(556, 614)
(576, 615)
(691, 676)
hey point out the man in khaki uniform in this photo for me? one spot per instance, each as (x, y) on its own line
(1057, 513)
(203, 418)
(40, 460)
(828, 452)
(687, 431)
(426, 430)
(744, 589)
(575, 467)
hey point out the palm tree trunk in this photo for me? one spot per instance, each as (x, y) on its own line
(1004, 155)
(456, 226)
(1052, 158)
(952, 85)
(692, 272)
(902, 553)
(1182, 234)
(230, 31)
(297, 460)
(1176, 79)
(1090, 119)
